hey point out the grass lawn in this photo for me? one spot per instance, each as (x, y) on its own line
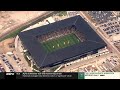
(62, 13)
(61, 42)
(13, 34)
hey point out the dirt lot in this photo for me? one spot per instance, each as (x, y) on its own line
(12, 19)
(7, 45)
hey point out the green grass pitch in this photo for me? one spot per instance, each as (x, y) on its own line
(61, 42)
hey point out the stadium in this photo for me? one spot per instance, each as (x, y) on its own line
(60, 42)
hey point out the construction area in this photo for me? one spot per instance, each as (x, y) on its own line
(12, 20)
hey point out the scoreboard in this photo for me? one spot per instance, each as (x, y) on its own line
(60, 75)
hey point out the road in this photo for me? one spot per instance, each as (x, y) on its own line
(108, 42)
(25, 24)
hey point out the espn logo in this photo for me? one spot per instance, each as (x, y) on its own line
(10, 74)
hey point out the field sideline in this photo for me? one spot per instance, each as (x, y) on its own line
(61, 42)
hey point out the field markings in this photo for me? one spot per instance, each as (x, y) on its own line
(61, 42)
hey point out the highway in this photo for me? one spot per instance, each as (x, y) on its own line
(28, 23)
(108, 42)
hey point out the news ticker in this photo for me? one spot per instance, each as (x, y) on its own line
(61, 75)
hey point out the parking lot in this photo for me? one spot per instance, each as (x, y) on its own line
(2, 68)
(105, 65)
(12, 63)
(8, 64)
(111, 28)
(101, 16)
(108, 30)
(109, 63)
(97, 63)
(21, 63)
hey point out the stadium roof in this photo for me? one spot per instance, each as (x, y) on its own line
(43, 59)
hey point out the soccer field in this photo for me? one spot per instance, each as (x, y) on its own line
(61, 42)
